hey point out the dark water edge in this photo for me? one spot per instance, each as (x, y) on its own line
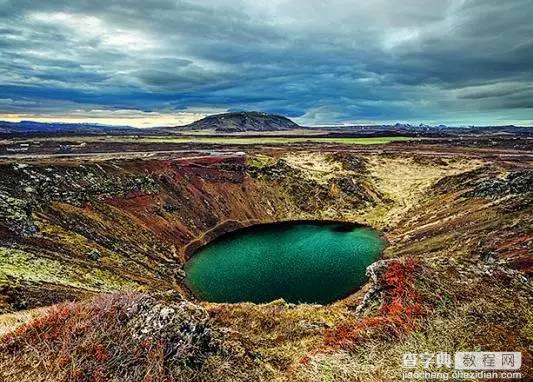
(299, 261)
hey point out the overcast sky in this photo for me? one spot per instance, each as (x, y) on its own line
(167, 62)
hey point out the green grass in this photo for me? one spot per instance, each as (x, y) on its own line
(230, 140)
(277, 140)
(30, 268)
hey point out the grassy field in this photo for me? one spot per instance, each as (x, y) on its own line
(276, 140)
(229, 140)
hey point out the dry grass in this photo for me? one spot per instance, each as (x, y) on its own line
(279, 333)
(402, 306)
(445, 300)
(460, 313)
(424, 307)
(11, 321)
(315, 166)
(406, 181)
(99, 340)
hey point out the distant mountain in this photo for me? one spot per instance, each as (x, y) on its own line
(258, 122)
(242, 121)
(30, 127)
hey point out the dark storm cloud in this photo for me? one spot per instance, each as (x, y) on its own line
(453, 61)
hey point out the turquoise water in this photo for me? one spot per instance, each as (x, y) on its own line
(298, 261)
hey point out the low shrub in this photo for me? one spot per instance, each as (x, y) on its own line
(120, 337)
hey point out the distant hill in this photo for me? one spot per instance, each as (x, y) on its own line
(242, 121)
(31, 127)
(258, 123)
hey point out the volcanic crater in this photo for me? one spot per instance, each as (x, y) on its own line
(72, 229)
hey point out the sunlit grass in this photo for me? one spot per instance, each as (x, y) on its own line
(277, 140)
(222, 140)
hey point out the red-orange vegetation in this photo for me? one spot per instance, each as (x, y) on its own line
(87, 341)
(402, 306)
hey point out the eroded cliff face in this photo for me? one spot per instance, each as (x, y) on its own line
(69, 229)
(72, 228)
(456, 266)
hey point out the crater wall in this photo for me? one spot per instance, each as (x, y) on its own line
(70, 229)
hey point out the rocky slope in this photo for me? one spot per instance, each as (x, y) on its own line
(458, 260)
(242, 121)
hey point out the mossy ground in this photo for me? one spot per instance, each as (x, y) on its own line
(463, 253)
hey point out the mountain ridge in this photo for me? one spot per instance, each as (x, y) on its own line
(242, 121)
